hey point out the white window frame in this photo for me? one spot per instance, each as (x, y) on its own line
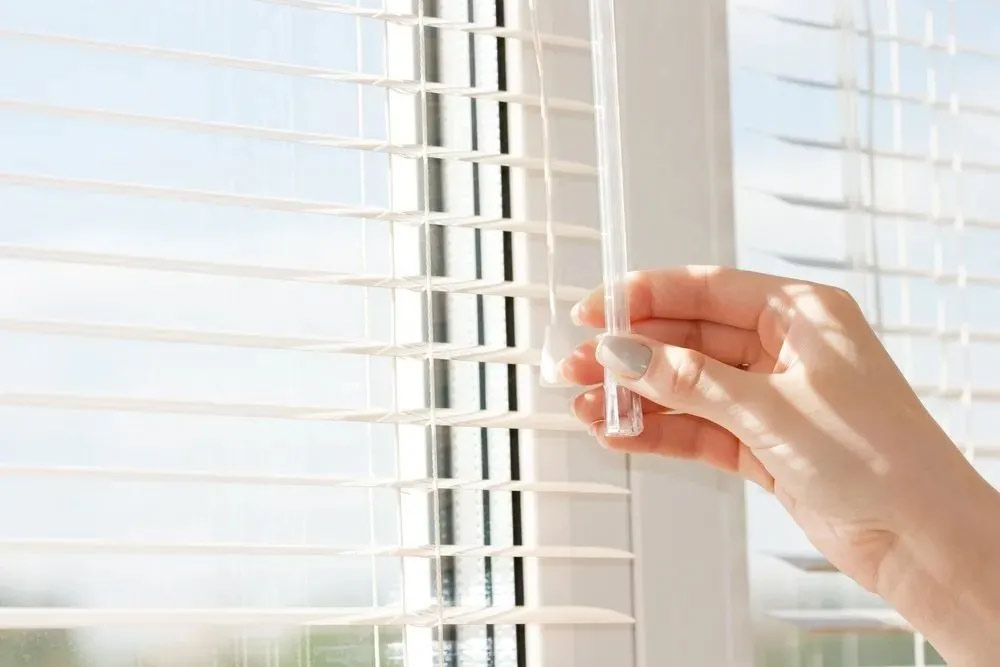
(690, 592)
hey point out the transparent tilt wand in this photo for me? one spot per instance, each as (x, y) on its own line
(623, 409)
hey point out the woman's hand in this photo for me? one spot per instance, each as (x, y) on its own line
(784, 383)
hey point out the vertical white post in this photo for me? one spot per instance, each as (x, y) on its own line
(688, 523)
(847, 100)
(411, 451)
(899, 182)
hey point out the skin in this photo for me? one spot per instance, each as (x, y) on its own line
(784, 383)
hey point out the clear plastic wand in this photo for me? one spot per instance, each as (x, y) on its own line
(623, 410)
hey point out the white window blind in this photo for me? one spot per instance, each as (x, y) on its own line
(866, 156)
(270, 337)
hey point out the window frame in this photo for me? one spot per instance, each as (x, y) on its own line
(679, 187)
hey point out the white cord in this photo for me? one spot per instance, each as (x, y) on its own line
(550, 234)
(558, 337)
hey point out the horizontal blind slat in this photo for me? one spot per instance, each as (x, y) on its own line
(414, 218)
(948, 334)
(412, 20)
(981, 450)
(819, 203)
(443, 351)
(944, 277)
(807, 562)
(288, 69)
(126, 547)
(426, 484)
(409, 283)
(949, 47)
(952, 104)
(991, 394)
(421, 417)
(955, 162)
(414, 151)
(844, 621)
(68, 617)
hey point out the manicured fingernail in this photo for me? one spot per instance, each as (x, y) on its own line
(624, 356)
(574, 314)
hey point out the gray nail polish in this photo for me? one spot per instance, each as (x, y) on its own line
(624, 356)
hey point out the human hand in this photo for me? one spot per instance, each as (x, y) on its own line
(785, 383)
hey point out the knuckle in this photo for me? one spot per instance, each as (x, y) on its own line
(840, 300)
(639, 285)
(841, 295)
(687, 368)
(693, 336)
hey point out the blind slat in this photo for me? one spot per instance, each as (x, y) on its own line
(444, 351)
(953, 393)
(923, 42)
(418, 283)
(822, 204)
(189, 195)
(326, 481)
(807, 562)
(295, 136)
(63, 618)
(981, 450)
(948, 334)
(124, 547)
(940, 162)
(844, 621)
(412, 20)
(289, 69)
(420, 417)
(943, 277)
(952, 104)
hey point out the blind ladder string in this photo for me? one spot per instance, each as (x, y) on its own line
(429, 324)
(394, 333)
(872, 224)
(365, 240)
(941, 316)
(556, 342)
(961, 271)
(848, 92)
(899, 181)
(902, 240)
(550, 236)
(934, 217)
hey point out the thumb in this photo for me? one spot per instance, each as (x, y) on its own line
(672, 376)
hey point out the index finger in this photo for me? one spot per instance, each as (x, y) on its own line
(711, 293)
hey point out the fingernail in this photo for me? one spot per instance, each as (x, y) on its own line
(574, 315)
(561, 370)
(595, 428)
(623, 356)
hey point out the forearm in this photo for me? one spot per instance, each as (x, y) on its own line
(944, 573)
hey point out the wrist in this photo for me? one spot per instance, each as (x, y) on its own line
(941, 574)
